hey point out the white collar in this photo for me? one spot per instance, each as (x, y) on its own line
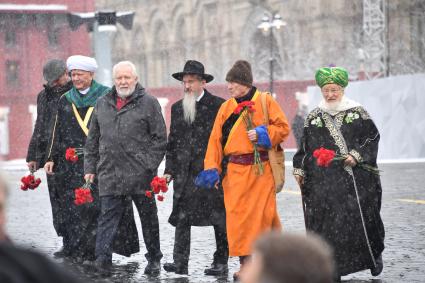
(84, 91)
(345, 104)
(200, 96)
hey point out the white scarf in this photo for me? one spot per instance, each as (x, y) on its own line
(343, 105)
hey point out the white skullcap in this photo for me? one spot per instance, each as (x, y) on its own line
(80, 62)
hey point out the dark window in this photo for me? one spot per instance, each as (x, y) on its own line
(53, 36)
(10, 38)
(12, 73)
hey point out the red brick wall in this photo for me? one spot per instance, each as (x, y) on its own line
(31, 51)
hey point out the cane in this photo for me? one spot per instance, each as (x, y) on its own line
(303, 204)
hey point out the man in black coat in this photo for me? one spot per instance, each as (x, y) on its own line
(192, 119)
(126, 143)
(58, 82)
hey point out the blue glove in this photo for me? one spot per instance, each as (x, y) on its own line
(207, 179)
(263, 138)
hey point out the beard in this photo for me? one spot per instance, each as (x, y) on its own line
(125, 92)
(189, 106)
(333, 106)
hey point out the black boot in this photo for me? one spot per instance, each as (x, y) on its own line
(217, 269)
(153, 268)
(176, 268)
(61, 253)
(375, 271)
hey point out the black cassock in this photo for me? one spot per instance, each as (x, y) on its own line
(342, 204)
(186, 148)
(81, 221)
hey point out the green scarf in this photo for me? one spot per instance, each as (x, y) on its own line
(89, 99)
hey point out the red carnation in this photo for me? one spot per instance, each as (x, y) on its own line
(160, 197)
(71, 154)
(324, 156)
(158, 185)
(248, 105)
(30, 182)
(148, 194)
(83, 195)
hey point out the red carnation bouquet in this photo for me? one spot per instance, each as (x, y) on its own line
(159, 187)
(72, 153)
(83, 194)
(326, 156)
(246, 110)
(30, 182)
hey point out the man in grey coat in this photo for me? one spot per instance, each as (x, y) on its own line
(126, 143)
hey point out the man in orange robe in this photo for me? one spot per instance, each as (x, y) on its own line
(249, 197)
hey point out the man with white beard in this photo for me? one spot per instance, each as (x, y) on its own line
(192, 119)
(126, 144)
(342, 198)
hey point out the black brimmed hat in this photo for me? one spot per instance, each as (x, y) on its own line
(193, 67)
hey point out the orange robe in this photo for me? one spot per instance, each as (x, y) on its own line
(250, 199)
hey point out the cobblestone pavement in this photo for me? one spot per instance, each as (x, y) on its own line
(403, 213)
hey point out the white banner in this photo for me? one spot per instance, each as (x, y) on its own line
(396, 105)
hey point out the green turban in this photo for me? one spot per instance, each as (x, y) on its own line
(332, 75)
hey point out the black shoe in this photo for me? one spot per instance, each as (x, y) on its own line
(98, 265)
(153, 268)
(217, 269)
(375, 271)
(60, 253)
(77, 259)
(176, 268)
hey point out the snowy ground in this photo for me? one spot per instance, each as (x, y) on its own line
(403, 211)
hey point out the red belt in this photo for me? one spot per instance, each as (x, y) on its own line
(248, 159)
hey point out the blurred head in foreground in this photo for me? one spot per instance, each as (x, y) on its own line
(289, 258)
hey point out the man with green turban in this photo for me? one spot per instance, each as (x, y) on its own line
(342, 200)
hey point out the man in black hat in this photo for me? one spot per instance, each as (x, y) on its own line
(58, 82)
(192, 119)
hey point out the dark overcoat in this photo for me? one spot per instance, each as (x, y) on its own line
(186, 148)
(342, 204)
(81, 221)
(125, 147)
(47, 102)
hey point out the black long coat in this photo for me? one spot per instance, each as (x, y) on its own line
(47, 101)
(343, 203)
(81, 221)
(186, 148)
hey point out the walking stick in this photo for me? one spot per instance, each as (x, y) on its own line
(303, 204)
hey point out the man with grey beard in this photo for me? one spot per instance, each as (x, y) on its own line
(192, 119)
(126, 144)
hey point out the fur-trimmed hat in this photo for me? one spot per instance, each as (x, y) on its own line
(240, 73)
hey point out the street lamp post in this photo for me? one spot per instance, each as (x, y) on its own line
(267, 26)
(103, 24)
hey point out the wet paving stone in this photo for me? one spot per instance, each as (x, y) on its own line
(30, 225)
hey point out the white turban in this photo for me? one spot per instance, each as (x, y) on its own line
(80, 62)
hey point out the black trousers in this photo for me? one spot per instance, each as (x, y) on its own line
(182, 244)
(112, 209)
